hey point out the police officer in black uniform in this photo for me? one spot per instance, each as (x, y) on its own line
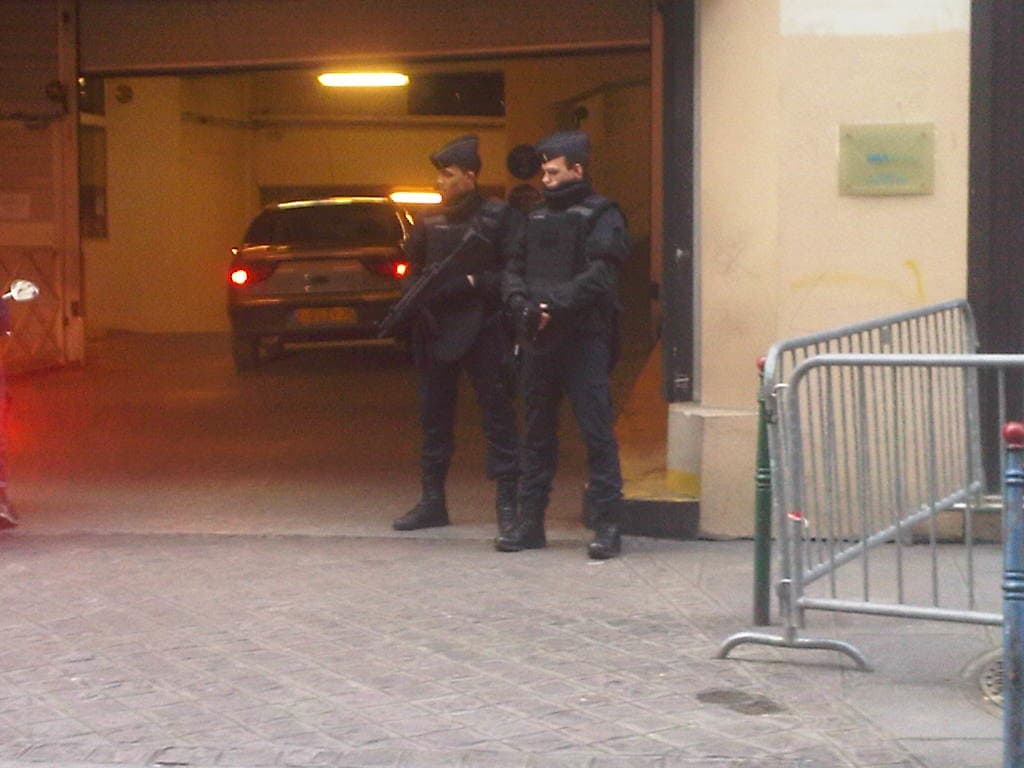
(561, 289)
(464, 327)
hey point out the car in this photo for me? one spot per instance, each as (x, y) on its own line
(315, 270)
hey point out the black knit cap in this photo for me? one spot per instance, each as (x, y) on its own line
(574, 146)
(462, 152)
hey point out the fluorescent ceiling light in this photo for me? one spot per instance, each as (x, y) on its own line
(363, 79)
(416, 198)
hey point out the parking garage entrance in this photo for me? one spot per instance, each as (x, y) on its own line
(212, 110)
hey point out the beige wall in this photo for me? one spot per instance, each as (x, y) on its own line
(179, 193)
(620, 163)
(615, 89)
(126, 276)
(844, 258)
(394, 155)
(738, 195)
(779, 251)
(220, 196)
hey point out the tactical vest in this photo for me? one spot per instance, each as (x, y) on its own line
(443, 235)
(555, 239)
(455, 326)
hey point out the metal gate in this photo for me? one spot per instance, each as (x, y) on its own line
(874, 440)
(39, 179)
(872, 449)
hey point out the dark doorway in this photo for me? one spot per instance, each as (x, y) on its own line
(996, 201)
(677, 286)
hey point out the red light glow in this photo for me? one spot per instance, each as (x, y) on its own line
(394, 270)
(239, 276)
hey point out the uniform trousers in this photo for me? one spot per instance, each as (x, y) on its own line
(486, 363)
(578, 369)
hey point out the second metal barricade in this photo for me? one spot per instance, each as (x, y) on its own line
(944, 328)
(871, 453)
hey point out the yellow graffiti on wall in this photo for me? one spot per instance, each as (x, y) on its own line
(914, 293)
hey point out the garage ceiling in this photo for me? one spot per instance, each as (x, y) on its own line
(174, 36)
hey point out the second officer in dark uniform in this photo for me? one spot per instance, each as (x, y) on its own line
(464, 328)
(561, 288)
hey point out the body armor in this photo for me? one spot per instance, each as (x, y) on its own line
(555, 254)
(555, 239)
(443, 235)
(457, 324)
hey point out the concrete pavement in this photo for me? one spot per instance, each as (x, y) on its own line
(255, 650)
(169, 613)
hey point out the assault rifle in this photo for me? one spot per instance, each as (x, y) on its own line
(468, 256)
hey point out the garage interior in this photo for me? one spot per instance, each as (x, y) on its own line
(174, 166)
(196, 112)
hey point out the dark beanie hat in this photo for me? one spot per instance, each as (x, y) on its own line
(574, 146)
(461, 152)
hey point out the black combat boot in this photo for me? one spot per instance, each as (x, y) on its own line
(431, 511)
(527, 533)
(607, 542)
(505, 505)
(606, 518)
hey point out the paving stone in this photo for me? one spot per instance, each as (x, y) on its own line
(54, 730)
(633, 745)
(561, 760)
(249, 757)
(120, 755)
(478, 759)
(545, 740)
(309, 757)
(379, 758)
(63, 752)
(173, 756)
(361, 735)
(455, 739)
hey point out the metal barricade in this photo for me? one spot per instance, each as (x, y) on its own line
(868, 451)
(943, 328)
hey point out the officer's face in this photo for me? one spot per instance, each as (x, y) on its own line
(453, 182)
(557, 172)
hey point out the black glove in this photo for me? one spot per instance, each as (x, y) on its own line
(528, 320)
(515, 305)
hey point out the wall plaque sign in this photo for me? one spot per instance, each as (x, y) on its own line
(887, 159)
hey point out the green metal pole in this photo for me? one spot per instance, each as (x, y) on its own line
(762, 515)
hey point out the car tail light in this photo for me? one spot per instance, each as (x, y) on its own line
(396, 269)
(247, 274)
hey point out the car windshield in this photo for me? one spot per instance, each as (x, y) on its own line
(348, 224)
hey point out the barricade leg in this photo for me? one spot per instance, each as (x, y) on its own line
(762, 516)
(1013, 597)
(792, 611)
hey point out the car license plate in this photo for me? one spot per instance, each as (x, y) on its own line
(324, 315)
